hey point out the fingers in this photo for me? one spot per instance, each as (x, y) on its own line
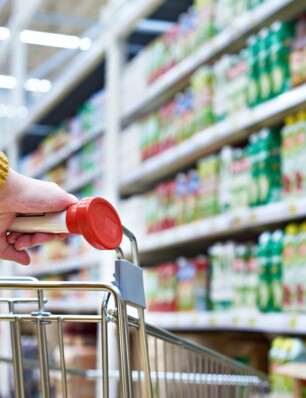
(9, 252)
(26, 241)
(14, 245)
(12, 237)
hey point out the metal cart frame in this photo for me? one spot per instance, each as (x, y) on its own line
(159, 365)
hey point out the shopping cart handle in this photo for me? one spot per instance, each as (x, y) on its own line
(93, 218)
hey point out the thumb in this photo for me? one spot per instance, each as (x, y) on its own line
(36, 196)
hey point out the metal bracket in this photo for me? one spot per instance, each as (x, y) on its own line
(129, 280)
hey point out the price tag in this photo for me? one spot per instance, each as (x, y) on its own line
(213, 46)
(234, 124)
(237, 221)
(253, 217)
(176, 235)
(195, 319)
(176, 321)
(212, 322)
(252, 322)
(235, 321)
(293, 323)
(212, 226)
(292, 209)
(198, 227)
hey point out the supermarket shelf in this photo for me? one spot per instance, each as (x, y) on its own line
(223, 225)
(60, 266)
(81, 66)
(230, 320)
(81, 182)
(73, 304)
(127, 15)
(231, 39)
(213, 138)
(65, 152)
(63, 304)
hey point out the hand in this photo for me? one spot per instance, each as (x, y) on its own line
(21, 194)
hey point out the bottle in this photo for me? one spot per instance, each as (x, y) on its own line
(276, 270)
(289, 259)
(264, 263)
(94, 218)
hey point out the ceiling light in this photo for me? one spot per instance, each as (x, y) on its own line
(49, 39)
(34, 85)
(11, 111)
(52, 39)
(85, 43)
(37, 85)
(8, 82)
(4, 33)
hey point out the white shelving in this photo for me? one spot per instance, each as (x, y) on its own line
(230, 320)
(61, 266)
(73, 305)
(65, 152)
(127, 15)
(81, 182)
(231, 37)
(64, 304)
(213, 138)
(224, 225)
(81, 65)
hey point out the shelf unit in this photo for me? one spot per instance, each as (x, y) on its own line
(230, 320)
(229, 131)
(127, 16)
(66, 151)
(85, 179)
(224, 225)
(64, 304)
(230, 39)
(61, 265)
(109, 45)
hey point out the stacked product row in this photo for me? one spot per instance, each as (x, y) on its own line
(75, 246)
(201, 22)
(90, 116)
(272, 63)
(267, 276)
(283, 352)
(88, 159)
(178, 286)
(83, 274)
(268, 169)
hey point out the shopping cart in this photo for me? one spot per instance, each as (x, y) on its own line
(136, 359)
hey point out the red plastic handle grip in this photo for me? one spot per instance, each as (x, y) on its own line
(97, 220)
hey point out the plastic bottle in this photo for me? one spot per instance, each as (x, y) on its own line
(225, 178)
(253, 97)
(265, 82)
(287, 155)
(289, 261)
(252, 151)
(264, 262)
(276, 270)
(301, 267)
(94, 218)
